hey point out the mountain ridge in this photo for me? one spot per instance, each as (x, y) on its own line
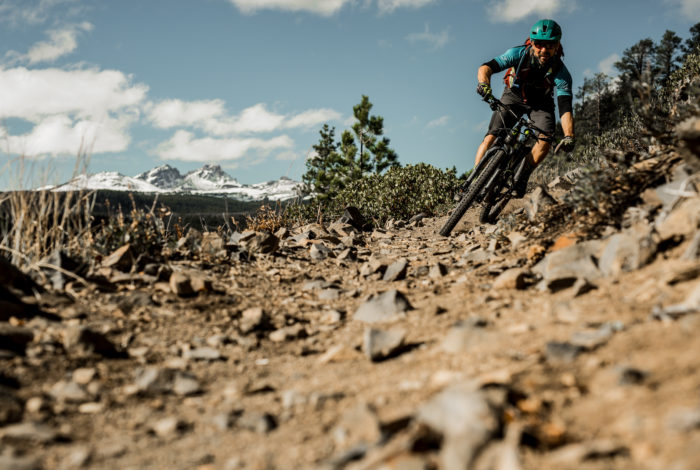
(210, 179)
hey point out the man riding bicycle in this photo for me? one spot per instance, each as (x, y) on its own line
(534, 70)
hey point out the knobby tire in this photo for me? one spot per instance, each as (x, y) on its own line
(474, 189)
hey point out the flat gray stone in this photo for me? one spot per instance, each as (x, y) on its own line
(561, 269)
(562, 352)
(396, 270)
(464, 337)
(625, 252)
(379, 344)
(465, 419)
(387, 306)
(319, 251)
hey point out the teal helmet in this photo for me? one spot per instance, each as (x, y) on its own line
(545, 30)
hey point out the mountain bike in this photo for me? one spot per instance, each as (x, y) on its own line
(492, 182)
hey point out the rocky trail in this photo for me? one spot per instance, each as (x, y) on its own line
(530, 344)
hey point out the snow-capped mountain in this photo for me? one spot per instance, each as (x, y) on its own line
(210, 179)
(107, 180)
(164, 177)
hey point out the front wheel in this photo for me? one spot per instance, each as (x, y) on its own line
(474, 190)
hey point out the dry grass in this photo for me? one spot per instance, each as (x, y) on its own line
(33, 224)
(268, 218)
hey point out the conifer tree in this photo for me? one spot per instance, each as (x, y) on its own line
(322, 176)
(666, 56)
(375, 155)
(636, 62)
(693, 42)
(335, 164)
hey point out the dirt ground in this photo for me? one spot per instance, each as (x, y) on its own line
(267, 367)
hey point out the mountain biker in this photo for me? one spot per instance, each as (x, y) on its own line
(535, 69)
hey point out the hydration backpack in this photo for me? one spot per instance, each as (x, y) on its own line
(517, 76)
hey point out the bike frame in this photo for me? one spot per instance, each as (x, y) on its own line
(486, 182)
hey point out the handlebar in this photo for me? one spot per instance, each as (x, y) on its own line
(495, 104)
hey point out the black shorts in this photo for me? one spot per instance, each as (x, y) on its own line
(540, 111)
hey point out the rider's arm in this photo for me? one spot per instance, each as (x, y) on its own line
(484, 74)
(567, 123)
(563, 82)
(510, 58)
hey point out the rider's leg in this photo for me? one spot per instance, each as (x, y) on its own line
(485, 145)
(539, 151)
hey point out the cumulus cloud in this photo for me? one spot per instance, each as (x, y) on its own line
(32, 94)
(211, 117)
(388, 6)
(33, 12)
(435, 40)
(510, 11)
(61, 42)
(62, 135)
(689, 8)
(185, 146)
(607, 65)
(439, 122)
(70, 109)
(321, 7)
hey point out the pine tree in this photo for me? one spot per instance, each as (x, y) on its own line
(693, 42)
(636, 62)
(375, 155)
(335, 164)
(666, 56)
(321, 175)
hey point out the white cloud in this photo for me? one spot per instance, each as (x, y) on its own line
(607, 65)
(510, 11)
(287, 156)
(61, 42)
(185, 146)
(210, 116)
(689, 8)
(439, 122)
(32, 94)
(312, 118)
(388, 6)
(178, 113)
(435, 40)
(321, 7)
(62, 135)
(70, 109)
(18, 12)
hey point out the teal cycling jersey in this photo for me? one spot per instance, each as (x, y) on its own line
(531, 75)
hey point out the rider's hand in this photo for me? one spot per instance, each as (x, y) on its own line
(567, 144)
(484, 90)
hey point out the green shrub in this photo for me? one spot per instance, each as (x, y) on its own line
(400, 193)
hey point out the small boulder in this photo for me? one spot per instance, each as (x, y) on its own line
(387, 306)
(380, 344)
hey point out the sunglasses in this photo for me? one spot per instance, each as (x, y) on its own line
(545, 44)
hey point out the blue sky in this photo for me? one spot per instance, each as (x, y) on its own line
(248, 83)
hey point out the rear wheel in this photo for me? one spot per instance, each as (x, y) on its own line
(492, 209)
(474, 189)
